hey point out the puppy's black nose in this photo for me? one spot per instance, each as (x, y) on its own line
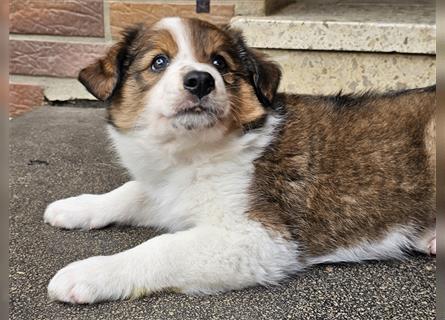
(199, 83)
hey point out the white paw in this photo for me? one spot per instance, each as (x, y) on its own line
(87, 281)
(84, 212)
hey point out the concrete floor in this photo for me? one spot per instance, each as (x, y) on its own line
(59, 152)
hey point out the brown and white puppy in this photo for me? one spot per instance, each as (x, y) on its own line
(252, 185)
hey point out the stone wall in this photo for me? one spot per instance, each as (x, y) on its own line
(51, 40)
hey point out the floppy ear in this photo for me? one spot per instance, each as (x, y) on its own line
(103, 77)
(265, 75)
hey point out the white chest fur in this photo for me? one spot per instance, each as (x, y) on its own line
(191, 185)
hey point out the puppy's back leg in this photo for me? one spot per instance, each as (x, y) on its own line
(393, 245)
(432, 246)
(126, 205)
(427, 242)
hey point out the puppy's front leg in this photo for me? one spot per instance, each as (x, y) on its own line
(125, 205)
(199, 260)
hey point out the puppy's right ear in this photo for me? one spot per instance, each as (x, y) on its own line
(103, 77)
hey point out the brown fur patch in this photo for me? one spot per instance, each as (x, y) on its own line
(208, 41)
(125, 73)
(268, 74)
(245, 107)
(348, 169)
(100, 78)
(131, 99)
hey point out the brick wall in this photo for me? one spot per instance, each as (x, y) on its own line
(51, 40)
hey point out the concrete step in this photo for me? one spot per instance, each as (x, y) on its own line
(329, 45)
(405, 26)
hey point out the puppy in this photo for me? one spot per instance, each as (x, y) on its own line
(252, 186)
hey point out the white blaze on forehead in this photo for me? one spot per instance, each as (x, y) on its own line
(180, 32)
(185, 59)
(168, 95)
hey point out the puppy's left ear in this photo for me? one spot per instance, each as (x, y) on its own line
(265, 75)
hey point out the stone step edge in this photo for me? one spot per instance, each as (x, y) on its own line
(281, 33)
(55, 89)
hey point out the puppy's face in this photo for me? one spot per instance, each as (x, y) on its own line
(183, 76)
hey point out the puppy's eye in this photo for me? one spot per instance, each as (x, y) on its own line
(160, 62)
(219, 62)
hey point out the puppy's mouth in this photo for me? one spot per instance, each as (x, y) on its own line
(194, 110)
(197, 116)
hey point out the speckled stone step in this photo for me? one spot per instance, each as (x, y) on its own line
(325, 46)
(328, 72)
(405, 26)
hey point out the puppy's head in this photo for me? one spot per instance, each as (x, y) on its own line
(183, 75)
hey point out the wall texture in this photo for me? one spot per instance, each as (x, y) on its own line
(51, 40)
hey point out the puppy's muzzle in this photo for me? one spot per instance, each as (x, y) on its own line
(199, 83)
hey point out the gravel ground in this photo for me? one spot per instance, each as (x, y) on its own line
(58, 152)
